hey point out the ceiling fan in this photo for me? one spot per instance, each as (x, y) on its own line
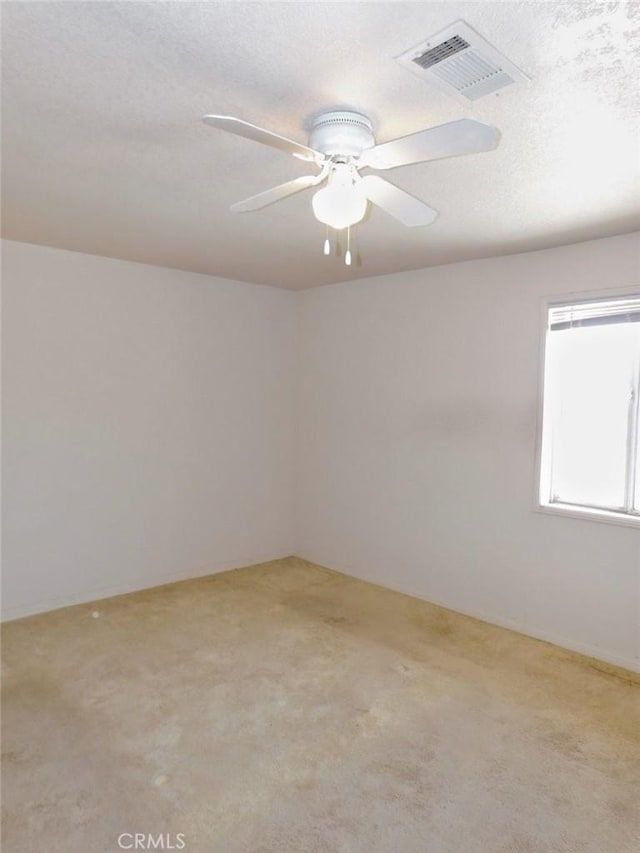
(341, 144)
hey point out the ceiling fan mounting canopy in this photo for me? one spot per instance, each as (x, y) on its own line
(341, 134)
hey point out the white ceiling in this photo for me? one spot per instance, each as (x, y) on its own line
(104, 151)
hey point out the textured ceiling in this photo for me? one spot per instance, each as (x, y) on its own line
(104, 151)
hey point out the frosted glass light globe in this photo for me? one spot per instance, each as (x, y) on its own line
(340, 203)
(339, 206)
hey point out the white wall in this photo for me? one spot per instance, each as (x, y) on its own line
(416, 435)
(147, 426)
(148, 436)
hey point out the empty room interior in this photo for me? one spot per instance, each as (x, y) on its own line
(321, 427)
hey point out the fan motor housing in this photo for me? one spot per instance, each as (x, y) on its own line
(343, 133)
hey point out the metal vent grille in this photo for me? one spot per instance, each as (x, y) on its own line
(470, 70)
(461, 63)
(441, 51)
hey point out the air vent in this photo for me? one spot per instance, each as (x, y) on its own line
(461, 63)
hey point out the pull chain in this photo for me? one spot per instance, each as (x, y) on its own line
(327, 244)
(347, 256)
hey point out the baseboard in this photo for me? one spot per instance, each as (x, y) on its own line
(9, 614)
(44, 606)
(632, 664)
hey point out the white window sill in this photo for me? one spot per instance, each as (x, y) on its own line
(589, 514)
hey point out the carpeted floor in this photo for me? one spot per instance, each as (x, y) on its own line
(290, 709)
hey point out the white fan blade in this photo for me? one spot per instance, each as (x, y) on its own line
(396, 202)
(465, 136)
(267, 137)
(276, 193)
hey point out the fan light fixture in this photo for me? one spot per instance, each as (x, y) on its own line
(340, 204)
(341, 143)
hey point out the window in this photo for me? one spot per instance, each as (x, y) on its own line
(590, 460)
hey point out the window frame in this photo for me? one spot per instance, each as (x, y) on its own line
(559, 509)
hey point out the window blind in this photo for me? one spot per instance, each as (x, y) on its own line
(621, 310)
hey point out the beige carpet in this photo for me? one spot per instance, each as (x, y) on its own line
(290, 709)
